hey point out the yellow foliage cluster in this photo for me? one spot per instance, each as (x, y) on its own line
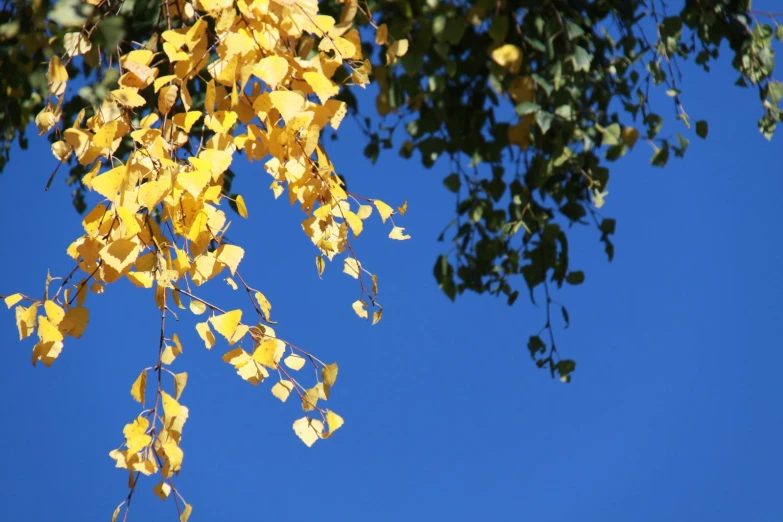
(265, 71)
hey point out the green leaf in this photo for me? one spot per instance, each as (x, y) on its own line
(576, 277)
(526, 108)
(452, 182)
(701, 129)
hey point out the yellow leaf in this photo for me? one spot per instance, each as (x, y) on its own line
(25, 320)
(508, 56)
(241, 208)
(630, 135)
(194, 181)
(47, 331)
(364, 211)
(322, 86)
(226, 324)
(309, 430)
(171, 408)
(12, 299)
(163, 80)
(403, 209)
(522, 89)
(358, 307)
(287, 103)
(395, 50)
(269, 352)
(294, 361)
(230, 255)
(136, 437)
(310, 399)
(271, 70)
(206, 334)
(57, 76)
(129, 97)
(328, 376)
(152, 193)
(54, 312)
(139, 387)
(381, 35)
(320, 265)
(162, 490)
(186, 511)
(231, 283)
(197, 307)
(376, 316)
(397, 233)
(334, 421)
(180, 381)
(116, 513)
(186, 120)
(351, 267)
(383, 209)
(167, 98)
(105, 136)
(264, 304)
(355, 222)
(282, 389)
(108, 183)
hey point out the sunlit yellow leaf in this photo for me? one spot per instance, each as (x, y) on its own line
(129, 97)
(351, 267)
(108, 183)
(509, 56)
(269, 352)
(136, 437)
(162, 489)
(197, 307)
(403, 209)
(47, 331)
(334, 421)
(263, 304)
(152, 193)
(358, 307)
(320, 265)
(310, 399)
(57, 76)
(383, 209)
(395, 50)
(231, 283)
(322, 86)
(309, 430)
(139, 387)
(398, 233)
(226, 324)
(355, 222)
(376, 316)
(282, 389)
(26, 320)
(271, 70)
(12, 299)
(186, 120)
(230, 255)
(328, 376)
(206, 334)
(294, 361)
(287, 103)
(241, 208)
(180, 381)
(364, 211)
(186, 511)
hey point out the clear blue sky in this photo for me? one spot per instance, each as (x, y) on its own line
(673, 413)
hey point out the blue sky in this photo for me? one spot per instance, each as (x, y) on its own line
(673, 412)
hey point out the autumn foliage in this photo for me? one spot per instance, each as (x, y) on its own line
(255, 77)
